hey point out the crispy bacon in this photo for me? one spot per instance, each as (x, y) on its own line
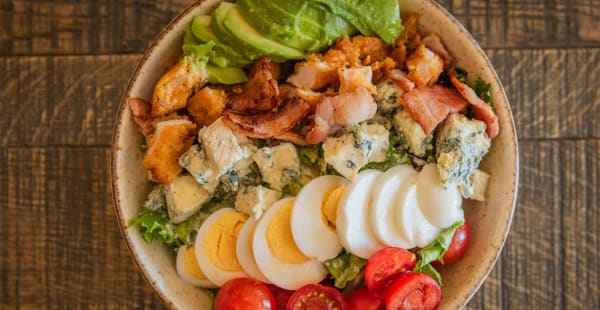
(430, 105)
(270, 124)
(434, 43)
(260, 92)
(140, 109)
(481, 110)
(291, 136)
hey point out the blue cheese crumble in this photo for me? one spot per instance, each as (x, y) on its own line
(279, 165)
(255, 200)
(461, 144)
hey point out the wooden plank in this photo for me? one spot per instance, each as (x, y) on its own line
(531, 265)
(553, 93)
(61, 244)
(489, 295)
(529, 23)
(46, 27)
(60, 101)
(580, 179)
(30, 27)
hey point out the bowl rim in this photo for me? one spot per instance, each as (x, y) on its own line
(165, 31)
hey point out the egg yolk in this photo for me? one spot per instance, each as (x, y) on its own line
(221, 236)
(280, 239)
(191, 264)
(330, 205)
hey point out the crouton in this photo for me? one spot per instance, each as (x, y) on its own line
(207, 105)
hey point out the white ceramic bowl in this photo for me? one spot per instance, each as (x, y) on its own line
(489, 222)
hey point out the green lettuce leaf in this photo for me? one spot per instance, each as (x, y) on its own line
(154, 225)
(435, 251)
(344, 268)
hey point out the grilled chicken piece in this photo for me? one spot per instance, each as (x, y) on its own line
(170, 140)
(434, 43)
(481, 110)
(424, 66)
(207, 105)
(172, 91)
(314, 73)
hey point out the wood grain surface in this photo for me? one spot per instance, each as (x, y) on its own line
(64, 65)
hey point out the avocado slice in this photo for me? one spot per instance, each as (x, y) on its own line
(304, 25)
(241, 34)
(222, 55)
(219, 30)
(229, 75)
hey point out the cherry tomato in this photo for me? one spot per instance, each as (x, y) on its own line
(317, 297)
(459, 244)
(413, 290)
(362, 299)
(384, 265)
(281, 295)
(244, 294)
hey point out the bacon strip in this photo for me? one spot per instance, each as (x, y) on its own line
(481, 110)
(430, 105)
(260, 92)
(271, 124)
(140, 109)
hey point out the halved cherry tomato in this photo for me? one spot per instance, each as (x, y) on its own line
(384, 265)
(413, 290)
(281, 295)
(244, 294)
(362, 299)
(459, 244)
(317, 297)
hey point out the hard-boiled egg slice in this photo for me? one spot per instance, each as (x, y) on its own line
(411, 220)
(215, 246)
(312, 221)
(441, 204)
(188, 269)
(245, 252)
(276, 253)
(353, 226)
(383, 206)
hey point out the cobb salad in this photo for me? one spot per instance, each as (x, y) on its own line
(313, 155)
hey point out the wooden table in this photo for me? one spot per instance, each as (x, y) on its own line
(64, 65)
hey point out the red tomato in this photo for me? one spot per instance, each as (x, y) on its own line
(362, 299)
(413, 290)
(244, 294)
(317, 297)
(459, 244)
(281, 295)
(384, 265)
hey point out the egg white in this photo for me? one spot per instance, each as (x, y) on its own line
(383, 206)
(441, 204)
(313, 237)
(410, 219)
(285, 275)
(213, 272)
(353, 226)
(245, 254)
(184, 272)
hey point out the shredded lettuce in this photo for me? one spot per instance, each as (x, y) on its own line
(154, 225)
(435, 251)
(394, 157)
(344, 268)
